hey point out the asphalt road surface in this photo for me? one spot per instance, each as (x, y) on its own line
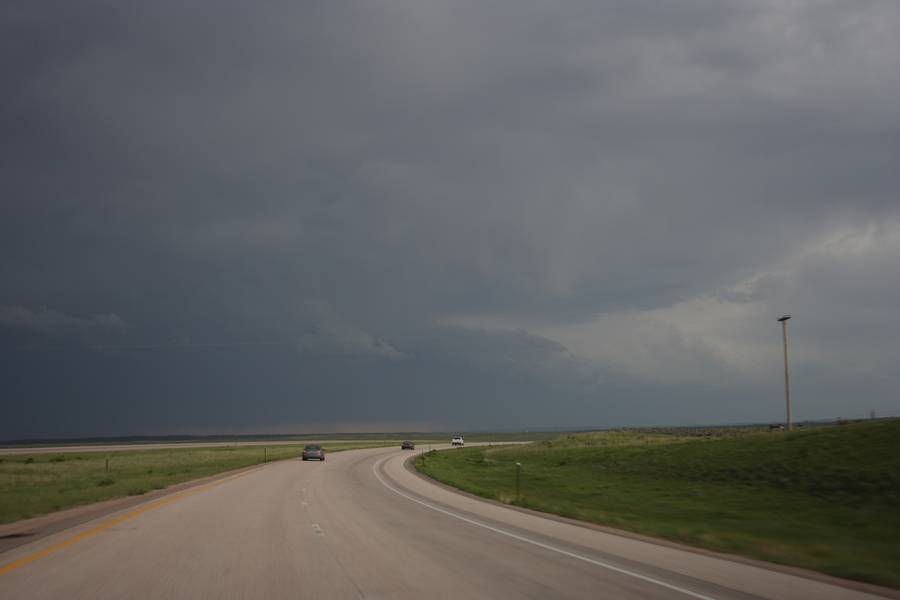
(361, 525)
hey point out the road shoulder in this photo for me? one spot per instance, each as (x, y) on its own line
(25, 531)
(813, 576)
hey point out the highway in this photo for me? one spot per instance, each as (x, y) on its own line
(362, 525)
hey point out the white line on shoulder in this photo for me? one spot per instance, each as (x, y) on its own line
(535, 542)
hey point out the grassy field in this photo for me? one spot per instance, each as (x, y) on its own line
(417, 436)
(826, 499)
(32, 485)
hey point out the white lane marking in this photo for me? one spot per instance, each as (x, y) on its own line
(535, 542)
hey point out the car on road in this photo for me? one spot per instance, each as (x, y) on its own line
(313, 452)
(458, 441)
(407, 445)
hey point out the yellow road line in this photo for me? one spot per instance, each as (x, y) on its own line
(113, 522)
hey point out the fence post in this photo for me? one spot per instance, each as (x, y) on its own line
(518, 481)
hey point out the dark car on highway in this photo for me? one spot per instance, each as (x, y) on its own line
(313, 452)
(407, 445)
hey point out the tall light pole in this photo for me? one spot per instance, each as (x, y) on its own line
(787, 377)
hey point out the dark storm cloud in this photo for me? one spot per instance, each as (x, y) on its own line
(422, 212)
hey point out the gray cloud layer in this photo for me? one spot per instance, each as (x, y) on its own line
(230, 217)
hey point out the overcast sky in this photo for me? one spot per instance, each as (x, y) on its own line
(379, 215)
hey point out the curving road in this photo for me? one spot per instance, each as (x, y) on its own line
(171, 445)
(361, 525)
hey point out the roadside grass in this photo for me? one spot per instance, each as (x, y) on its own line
(416, 436)
(826, 499)
(35, 484)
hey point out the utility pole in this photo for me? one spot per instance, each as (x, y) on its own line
(787, 376)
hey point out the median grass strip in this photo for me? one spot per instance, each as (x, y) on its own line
(826, 499)
(35, 484)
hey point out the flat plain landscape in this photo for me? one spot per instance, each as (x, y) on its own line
(36, 484)
(826, 499)
(39, 478)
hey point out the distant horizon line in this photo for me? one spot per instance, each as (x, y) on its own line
(281, 436)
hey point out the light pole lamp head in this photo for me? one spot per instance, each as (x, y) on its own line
(784, 318)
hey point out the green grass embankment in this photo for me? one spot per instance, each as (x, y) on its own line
(35, 484)
(826, 499)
